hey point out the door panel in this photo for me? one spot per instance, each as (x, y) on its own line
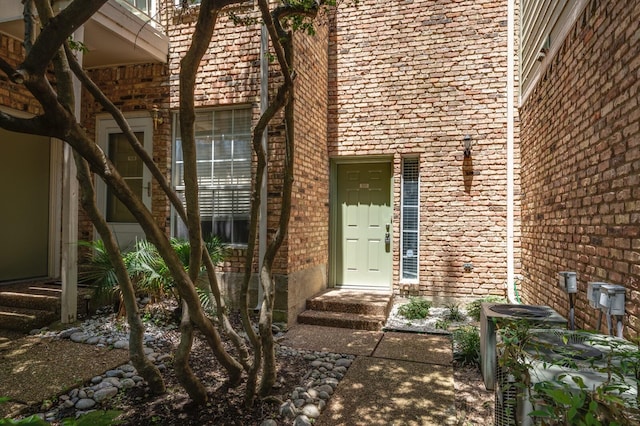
(363, 258)
(132, 169)
(24, 218)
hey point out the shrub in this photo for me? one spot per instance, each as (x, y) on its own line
(417, 308)
(466, 345)
(453, 312)
(473, 308)
(442, 324)
(146, 268)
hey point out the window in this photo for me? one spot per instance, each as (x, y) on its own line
(410, 214)
(144, 6)
(223, 150)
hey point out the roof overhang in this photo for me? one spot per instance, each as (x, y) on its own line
(115, 35)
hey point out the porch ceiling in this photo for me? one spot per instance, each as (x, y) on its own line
(113, 36)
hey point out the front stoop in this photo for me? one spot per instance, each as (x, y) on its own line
(26, 306)
(358, 310)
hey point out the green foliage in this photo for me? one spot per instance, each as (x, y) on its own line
(417, 308)
(466, 345)
(94, 418)
(77, 46)
(442, 324)
(453, 312)
(568, 400)
(27, 421)
(146, 268)
(473, 308)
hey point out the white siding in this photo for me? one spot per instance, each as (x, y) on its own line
(544, 24)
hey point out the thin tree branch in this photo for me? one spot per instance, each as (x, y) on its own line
(57, 31)
(37, 125)
(122, 122)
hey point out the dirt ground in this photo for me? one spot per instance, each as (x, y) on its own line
(474, 404)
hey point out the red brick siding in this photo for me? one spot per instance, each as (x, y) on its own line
(581, 164)
(413, 80)
(309, 224)
(13, 95)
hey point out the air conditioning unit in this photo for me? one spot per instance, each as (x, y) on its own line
(538, 316)
(562, 355)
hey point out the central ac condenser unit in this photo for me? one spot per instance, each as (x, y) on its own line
(537, 316)
(563, 355)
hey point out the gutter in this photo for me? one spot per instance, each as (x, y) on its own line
(510, 150)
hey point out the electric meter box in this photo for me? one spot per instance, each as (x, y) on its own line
(612, 298)
(593, 293)
(568, 281)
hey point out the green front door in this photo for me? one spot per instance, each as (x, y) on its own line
(363, 226)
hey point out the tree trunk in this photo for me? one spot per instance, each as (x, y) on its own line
(145, 368)
(187, 379)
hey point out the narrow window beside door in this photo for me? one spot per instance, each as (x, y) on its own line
(410, 215)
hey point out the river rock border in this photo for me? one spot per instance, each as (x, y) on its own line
(302, 407)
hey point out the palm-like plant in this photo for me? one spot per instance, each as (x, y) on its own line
(145, 266)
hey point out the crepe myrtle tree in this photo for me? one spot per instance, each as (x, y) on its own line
(52, 48)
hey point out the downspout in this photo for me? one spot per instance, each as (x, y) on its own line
(264, 104)
(510, 150)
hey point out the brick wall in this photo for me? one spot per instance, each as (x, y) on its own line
(309, 225)
(12, 95)
(308, 238)
(581, 164)
(412, 79)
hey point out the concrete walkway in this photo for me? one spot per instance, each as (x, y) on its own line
(396, 379)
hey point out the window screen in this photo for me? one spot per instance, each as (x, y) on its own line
(410, 216)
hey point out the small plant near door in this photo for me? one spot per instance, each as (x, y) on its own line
(417, 308)
(466, 345)
(473, 308)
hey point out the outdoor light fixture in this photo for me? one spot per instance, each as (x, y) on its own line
(467, 142)
(155, 116)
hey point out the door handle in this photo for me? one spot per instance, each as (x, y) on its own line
(149, 189)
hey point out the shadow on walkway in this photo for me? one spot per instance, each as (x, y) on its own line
(396, 379)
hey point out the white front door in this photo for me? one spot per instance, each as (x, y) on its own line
(130, 165)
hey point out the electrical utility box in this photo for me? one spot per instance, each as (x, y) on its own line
(568, 281)
(612, 298)
(593, 293)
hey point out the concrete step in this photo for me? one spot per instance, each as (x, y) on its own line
(44, 301)
(354, 321)
(371, 303)
(24, 320)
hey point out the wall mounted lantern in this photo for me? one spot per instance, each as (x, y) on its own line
(467, 143)
(156, 117)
